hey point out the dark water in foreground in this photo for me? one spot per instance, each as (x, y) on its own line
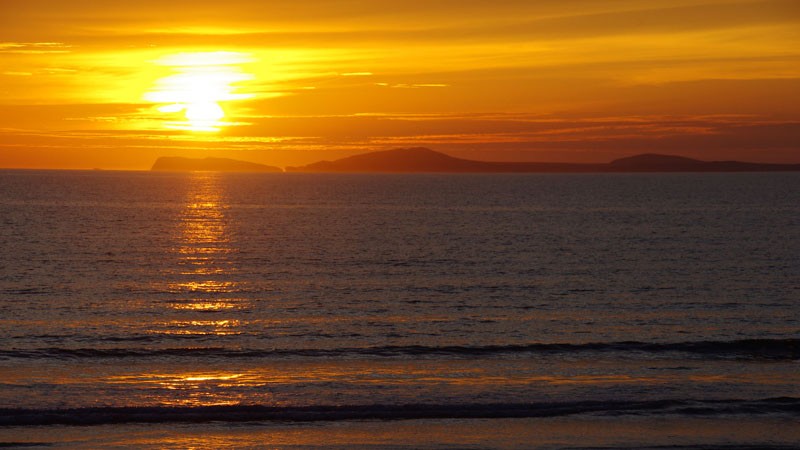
(292, 310)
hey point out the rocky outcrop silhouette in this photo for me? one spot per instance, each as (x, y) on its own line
(179, 164)
(420, 159)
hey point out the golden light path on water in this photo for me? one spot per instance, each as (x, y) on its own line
(206, 271)
(193, 96)
(204, 280)
(204, 276)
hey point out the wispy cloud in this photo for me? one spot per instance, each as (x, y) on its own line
(34, 47)
(412, 85)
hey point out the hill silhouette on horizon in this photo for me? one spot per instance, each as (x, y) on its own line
(180, 164)
(425, 160)
(422, 160)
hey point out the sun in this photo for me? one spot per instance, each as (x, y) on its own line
(198, 85)
(204, 111)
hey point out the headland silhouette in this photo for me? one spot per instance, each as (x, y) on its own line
(420, 159)
(425, 160)
(179, 164)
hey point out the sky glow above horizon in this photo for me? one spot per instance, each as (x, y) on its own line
(93, 84)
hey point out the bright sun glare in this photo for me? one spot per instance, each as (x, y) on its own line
(198, 86)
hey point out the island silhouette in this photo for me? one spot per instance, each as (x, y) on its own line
(420, 159)
(425, 160)
(179, 164)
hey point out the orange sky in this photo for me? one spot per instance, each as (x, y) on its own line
(90, 83)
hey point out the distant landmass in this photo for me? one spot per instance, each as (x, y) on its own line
(178, 164)
(425, 160)
(422, 159)
(671, 163)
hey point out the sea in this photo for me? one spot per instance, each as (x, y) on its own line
(414, 311)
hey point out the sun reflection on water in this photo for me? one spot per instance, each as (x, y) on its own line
(205, 278)
(203, 306)
(195, 388)
(204, 286)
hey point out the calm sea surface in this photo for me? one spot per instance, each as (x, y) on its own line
(485, 311)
